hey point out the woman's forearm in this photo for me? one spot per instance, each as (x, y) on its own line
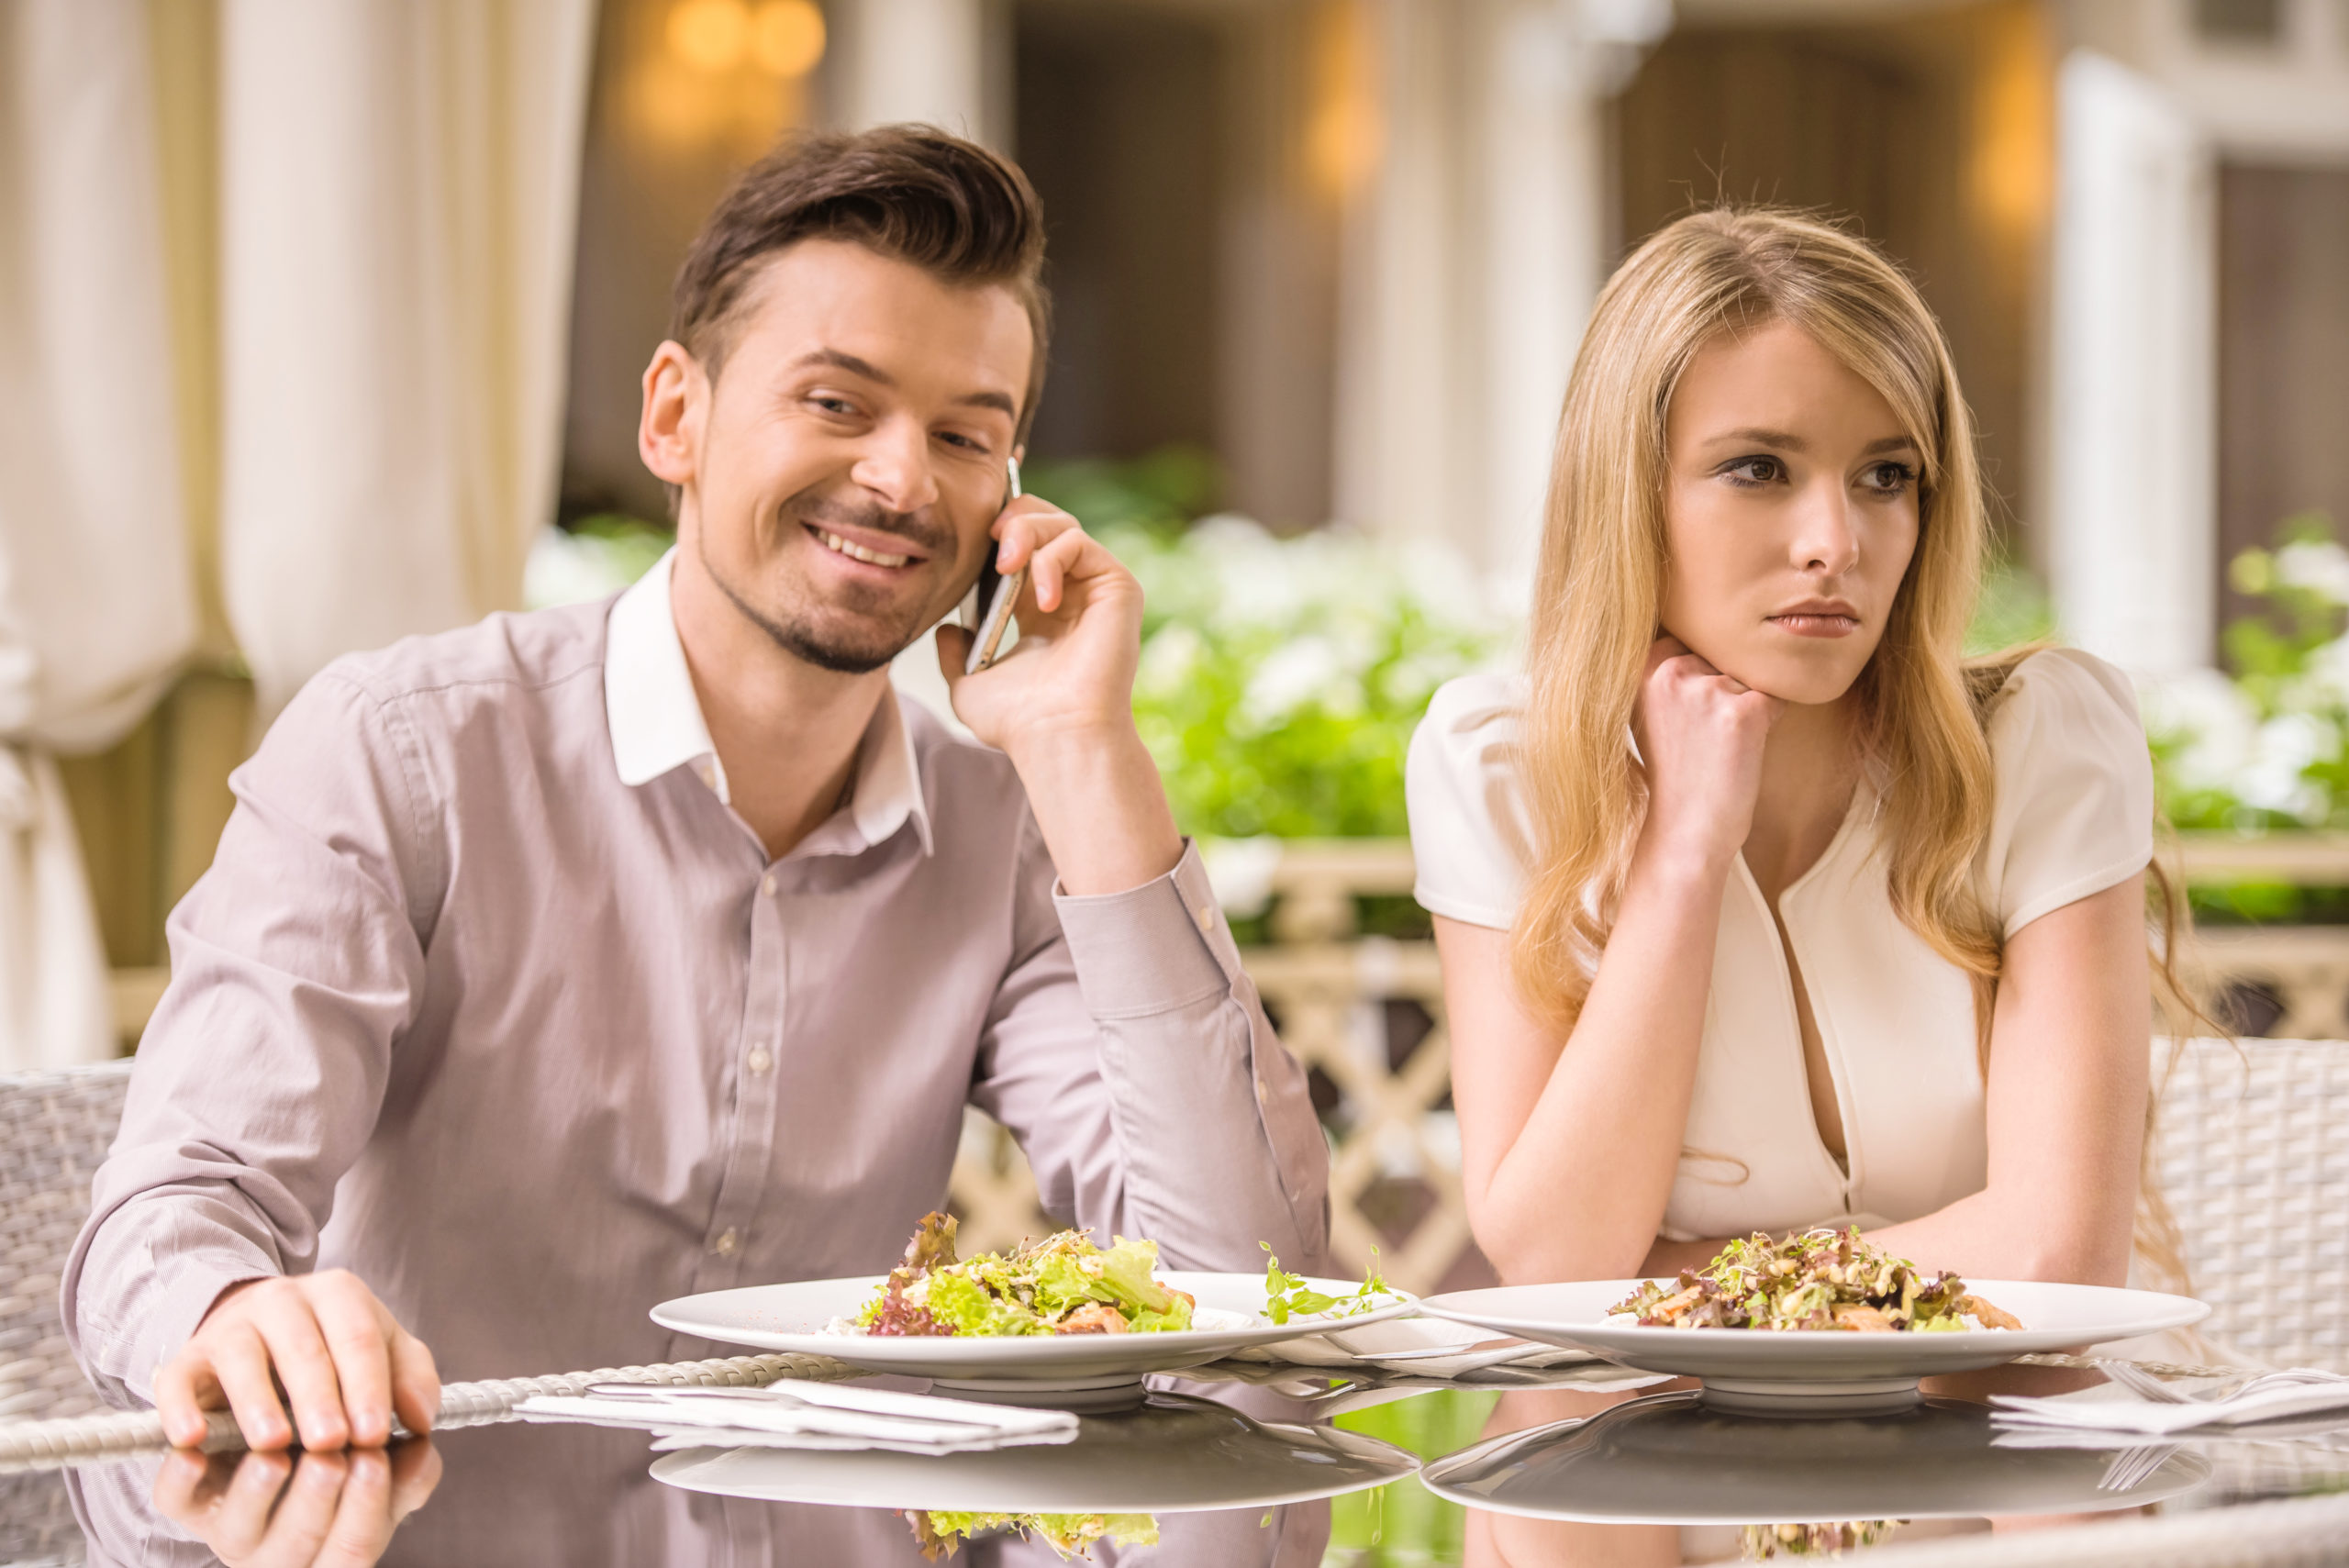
(1578, 1195)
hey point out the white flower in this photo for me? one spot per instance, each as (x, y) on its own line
(2319, 565)
(1304, 670)
(2270, 777)
(2210, 718)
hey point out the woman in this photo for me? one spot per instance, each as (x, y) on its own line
(1757, 907)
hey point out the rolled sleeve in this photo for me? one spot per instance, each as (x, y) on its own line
(1186, 1122)
(1161, 946)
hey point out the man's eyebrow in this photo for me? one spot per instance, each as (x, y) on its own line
(840, 360)
(990, 400)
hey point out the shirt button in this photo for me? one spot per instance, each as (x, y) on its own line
(1205, 915)
(766, 884)
(1262, 1089)
(725, 1245)
(758, 1061)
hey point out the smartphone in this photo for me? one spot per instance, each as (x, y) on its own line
(996, 594)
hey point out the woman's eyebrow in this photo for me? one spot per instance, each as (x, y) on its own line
(1788, 442)
(1759, 437)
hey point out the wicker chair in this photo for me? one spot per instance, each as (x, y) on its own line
(2254, 1157)
(54, 1129)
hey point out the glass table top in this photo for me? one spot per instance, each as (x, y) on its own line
(1278, 1468)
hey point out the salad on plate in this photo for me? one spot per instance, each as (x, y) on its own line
(1820, 1279)
(1061, 1284)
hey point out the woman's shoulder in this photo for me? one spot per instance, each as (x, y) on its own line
(1484, 704)
(1469, 827)
(2065, 679)
(2074, 812)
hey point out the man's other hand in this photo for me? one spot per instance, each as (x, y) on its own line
(346, 1365)
(312, 1510)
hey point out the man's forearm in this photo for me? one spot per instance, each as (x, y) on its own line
(1100, 807)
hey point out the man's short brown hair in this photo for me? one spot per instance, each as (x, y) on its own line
(951, 207)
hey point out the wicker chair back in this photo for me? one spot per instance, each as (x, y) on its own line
(2254, 1161)
(54, 1129)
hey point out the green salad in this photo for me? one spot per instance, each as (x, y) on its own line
(1816, 1278)
(940, 1534)
(1061, 1284)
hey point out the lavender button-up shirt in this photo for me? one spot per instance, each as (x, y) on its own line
(490, 997)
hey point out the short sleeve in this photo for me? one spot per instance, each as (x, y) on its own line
(1470, 832)
(2074, 813)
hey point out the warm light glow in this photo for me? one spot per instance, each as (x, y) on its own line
(2012, 174)
(787, 37)
(1345, 134)
(709, 35)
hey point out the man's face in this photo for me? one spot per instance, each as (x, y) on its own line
(851, 455)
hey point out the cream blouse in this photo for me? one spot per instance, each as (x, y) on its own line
(2073, 816)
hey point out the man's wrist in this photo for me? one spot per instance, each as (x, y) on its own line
(1097, 799)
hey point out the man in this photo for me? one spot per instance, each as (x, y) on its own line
(580, 960)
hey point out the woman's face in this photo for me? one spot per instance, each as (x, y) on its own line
(1790, 514)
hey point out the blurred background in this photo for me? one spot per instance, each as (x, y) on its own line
(322, 325)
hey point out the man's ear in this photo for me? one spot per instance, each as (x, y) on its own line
(676, 406)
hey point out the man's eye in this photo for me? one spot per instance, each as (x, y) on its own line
(1755, 471)
(839, 406)
(967, 444)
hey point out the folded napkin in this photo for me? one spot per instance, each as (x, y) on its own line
(2278, 1396)
(805, 1414)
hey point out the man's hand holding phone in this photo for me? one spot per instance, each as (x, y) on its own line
(1061, 704)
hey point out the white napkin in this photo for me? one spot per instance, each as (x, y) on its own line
(2276, 1396)
(805, 1414)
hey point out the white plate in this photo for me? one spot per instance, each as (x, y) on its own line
(792, 1318)
(1174, 1455)
(1847, 1369)
(1671, 1458)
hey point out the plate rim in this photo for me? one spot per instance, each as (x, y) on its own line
(2180, 1311)
(1204, 1343)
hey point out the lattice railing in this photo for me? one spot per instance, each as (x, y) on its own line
(1365, 1016)
(1385, 1090)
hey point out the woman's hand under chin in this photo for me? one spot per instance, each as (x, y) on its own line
(1701, 735)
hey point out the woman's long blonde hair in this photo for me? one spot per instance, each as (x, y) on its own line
(1601, 580)
(1601, 577)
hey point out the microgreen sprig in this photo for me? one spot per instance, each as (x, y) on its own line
(1288, 1294)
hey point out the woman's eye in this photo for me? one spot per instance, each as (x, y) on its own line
(1890, 478)
(1755, 471)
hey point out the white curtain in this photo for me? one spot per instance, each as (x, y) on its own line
(398, 185)
(97, 602)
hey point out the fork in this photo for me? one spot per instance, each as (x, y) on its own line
(2146, 1386)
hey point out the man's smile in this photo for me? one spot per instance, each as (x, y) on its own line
(856, 552)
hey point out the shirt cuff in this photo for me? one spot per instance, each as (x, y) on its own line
(1151, 949)
(186, 1297)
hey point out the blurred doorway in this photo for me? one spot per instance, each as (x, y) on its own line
(2283, 356)
(1932, 132)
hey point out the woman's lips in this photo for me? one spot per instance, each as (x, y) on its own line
(1815, 623)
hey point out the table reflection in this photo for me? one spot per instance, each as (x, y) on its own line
(1159, 1478)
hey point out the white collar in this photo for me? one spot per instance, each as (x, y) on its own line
(657, 724)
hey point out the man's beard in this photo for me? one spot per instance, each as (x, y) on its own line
(800, 631)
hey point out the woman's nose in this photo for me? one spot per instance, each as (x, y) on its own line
(1826, 540)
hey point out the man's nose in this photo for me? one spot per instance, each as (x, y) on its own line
(895, 466)
(1826, 537)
